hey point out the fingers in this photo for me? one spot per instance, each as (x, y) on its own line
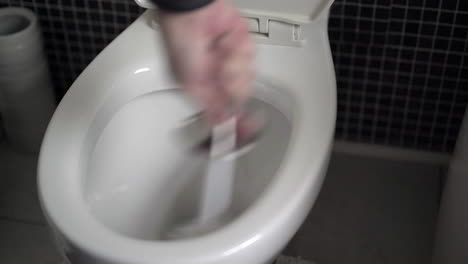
(236, 72)
(235, 34)
(211, 99)
(239, 88)
(212, 54)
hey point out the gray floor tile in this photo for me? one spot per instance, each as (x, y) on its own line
(26, 244)
(371, 212)
(18, 190)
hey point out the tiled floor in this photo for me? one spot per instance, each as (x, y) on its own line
(369, 212)
(24, 235)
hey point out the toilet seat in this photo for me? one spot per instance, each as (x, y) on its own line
(102, 89)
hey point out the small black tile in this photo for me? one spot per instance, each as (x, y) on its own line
(382, 13)
(94, 16)
(364, 37)
(349, 36)
(412, 27)
(75, 49)
(438, 57)
(454, 59)
(449, 4)
(460, 33)
(397, 26)
(410, 41)
(446, 95)
(108, 18)
(447, 17)
(408, 53)
(121, 19)
(433, 3)
(422, 55)
(464, 71)
(334, 35)
(67, 14)
(406, 67)
(451, 72)
(351, 10)
(380, 39)
(463, 6)
(462, 18)
(426, 42)
(88, 50)
(54, 12)
(441, 44)
(381, 26)
(106, 5)
(334, 23)
(434, 82)
(377, 51)
(41, 11)
(404, 79)
(93, 4)
(414, 14)
(80, 3)
(109, 29)
(69, 25)
(367, 12)
(399, 13)
(430, 15)
(445, 31)
(428, 29)
(462, 96)
(365, 26)
(399, 2)
(96, 28)
(73, 38)
(119, 7)
(350, 23)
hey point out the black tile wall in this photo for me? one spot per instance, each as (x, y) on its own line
(75, 31)
(401, 65)
(402, 71)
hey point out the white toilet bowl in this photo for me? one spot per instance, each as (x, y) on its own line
(114, 174)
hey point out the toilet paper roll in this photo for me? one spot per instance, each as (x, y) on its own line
(26, 95)
(20, 37)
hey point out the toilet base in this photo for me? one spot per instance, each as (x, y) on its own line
(279, 260)
(291, 260)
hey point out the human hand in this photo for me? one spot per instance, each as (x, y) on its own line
(212, 55)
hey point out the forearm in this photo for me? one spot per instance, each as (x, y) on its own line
(181, 5)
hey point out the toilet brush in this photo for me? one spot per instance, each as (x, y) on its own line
(216, 195)
(226, 141)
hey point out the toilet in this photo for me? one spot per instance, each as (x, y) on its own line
(114, 172)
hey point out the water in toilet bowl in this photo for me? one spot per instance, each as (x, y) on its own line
(142, 180)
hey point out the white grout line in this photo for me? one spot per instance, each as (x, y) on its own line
(441, 87)
(380, 83)
(399, 49)
(363, 92)
(408, 98)
(428, 70)
(406, 34)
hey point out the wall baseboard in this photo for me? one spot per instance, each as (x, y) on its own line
(391, 153)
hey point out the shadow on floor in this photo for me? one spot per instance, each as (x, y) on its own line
(371, 211)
